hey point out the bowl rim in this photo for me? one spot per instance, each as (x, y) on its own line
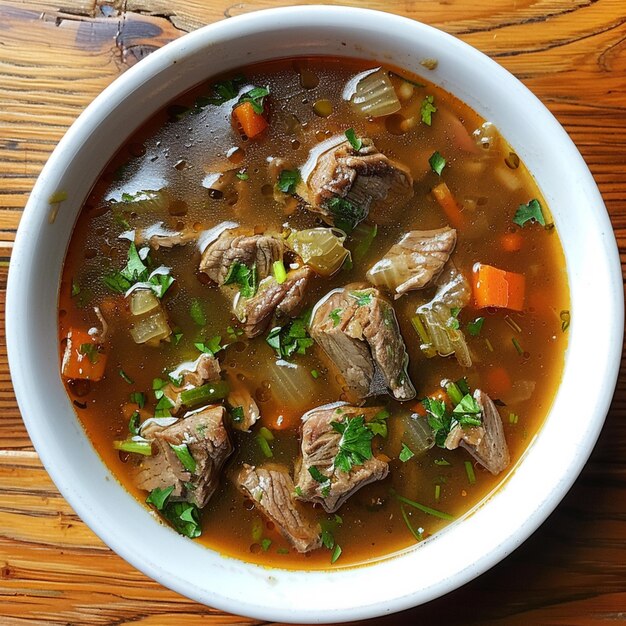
(20, 317)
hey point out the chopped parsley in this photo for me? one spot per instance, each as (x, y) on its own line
(223, 91)
(427, 109)
(157, 386)
(293, 338)
(355, 142)
(474, 328)
(75, 287)
(242, 175)
(236, 414)
(136, 271)
(406, 453)
(265, 544)
(355, 445)
(530, 212)
(126, 377)
(184, 456)
(233, 332)
(288, 180)
(244, 276)
(466, 413)
(138, 398)
(315, 374)
(437, 162)
(378, 423)
(323, 480)
(210, 346)
(90, 350)
(184, 517)
(197, 312)
(255, 97)
(335, 316)
(346, 215)
(158, 497)
(363, 298)
(133, 424)
(163, 406)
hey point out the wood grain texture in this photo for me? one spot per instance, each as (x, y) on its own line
(55, 57)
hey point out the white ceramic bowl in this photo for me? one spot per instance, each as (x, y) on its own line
(443, 562)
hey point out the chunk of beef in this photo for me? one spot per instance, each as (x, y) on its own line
(271, 489)
(415, 261)
(273, 301)
(486, 443)
(208, 444)
(250, 250)
(320, 445)
(191, 374)
(363, 178)
(359, 332)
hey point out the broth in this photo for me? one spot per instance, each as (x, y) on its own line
(182, 149)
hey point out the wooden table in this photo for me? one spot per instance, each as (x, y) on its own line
(55, 57)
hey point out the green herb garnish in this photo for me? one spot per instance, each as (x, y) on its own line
(437, 162)
(323, 480)
(184, 517)
(288, 180)
(196, 311)
(355, 142)
(133, 424)
(346, 215)
(279, 271)
(90, 350)
(362, 298)
(406, 453)
(469, 470)
(158, 497)
(223, 91)
(427, 109)
(184, 456)
(126, 377)
(474, 328)
(292, 338)
(355, 445)
(335, 316)
(210, 346)
(244, 276)
(378, 423)
(425, 509)
(138, 398)
(255, 97)
(529, 212)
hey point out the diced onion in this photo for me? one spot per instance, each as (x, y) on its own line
(372, 94)
(290, 383)
(321, 248)
(151, 328)
(142, 301)
(410, 429)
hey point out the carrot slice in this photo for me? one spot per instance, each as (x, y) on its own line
(498, 382)
(252, 123)
(512, 242)
(448, 203)
(497, 288)
(83, 357)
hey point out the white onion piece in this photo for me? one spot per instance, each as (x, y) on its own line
(149, 200)
(142, 301)
(373, 94)
(321, 248)
(410, 429)
(151, 328)
(290, 383)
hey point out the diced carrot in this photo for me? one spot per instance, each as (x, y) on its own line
(512, 242)
(497, 288)
(450, 206)
(83, 357)
(252, 123)
(498, 382)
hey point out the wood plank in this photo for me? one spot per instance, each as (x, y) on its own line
(55, 57)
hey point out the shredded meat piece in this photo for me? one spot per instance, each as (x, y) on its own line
(271, 489)
(486, 443)
(208, 443)
(415, 261)
(320, 445)
(232, 246)
(359, 332)
(363, 177)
